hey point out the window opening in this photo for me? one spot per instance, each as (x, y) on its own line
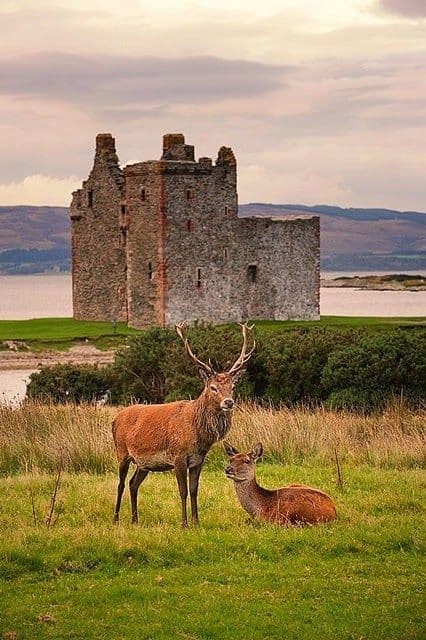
(143, 194)
(226, 210)
(189, 194)
(150, 271)
(198, 278)
(189, 225)
(123, 209)
(90, 198)
(252, 273)
(225, 254)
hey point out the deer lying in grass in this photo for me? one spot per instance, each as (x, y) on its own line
(291, 505)
(177, 435)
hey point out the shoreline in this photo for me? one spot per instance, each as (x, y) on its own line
(392, 282)
(79, 354)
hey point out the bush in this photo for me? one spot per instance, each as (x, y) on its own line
(69, 383)
(380, 366)
(138, 370)
(287, 366)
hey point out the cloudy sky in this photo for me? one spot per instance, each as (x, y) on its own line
(323, 101)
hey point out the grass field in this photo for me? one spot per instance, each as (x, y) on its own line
(359, 578)
(60, 333)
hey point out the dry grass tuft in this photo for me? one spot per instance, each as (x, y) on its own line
(39, 437)
(394, 438)
(45, 437)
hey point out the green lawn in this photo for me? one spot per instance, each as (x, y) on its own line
(60, 333)
(358, 578)
(342, 321)
(57, 330)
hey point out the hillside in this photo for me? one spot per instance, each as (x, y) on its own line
(36, 239)
(34, 227)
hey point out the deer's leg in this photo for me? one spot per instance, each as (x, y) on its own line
(122, 472)
(135, 482)
(194, 477)
(181, 470)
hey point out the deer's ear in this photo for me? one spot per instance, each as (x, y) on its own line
(257, 451)
(203, 374)
(230, 451)
(238, 375)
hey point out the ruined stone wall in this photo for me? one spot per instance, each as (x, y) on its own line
(201, 204)
(98, 247)
(144, 272)
(285, 254)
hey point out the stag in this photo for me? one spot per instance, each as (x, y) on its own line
(177, 435)
(288, 506)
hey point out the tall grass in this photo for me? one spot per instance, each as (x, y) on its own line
(40, 437)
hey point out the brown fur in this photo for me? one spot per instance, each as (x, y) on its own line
(176, 435)
(291, 505)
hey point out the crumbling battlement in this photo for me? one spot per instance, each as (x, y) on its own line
(160, 241)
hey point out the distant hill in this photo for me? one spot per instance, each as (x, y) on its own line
(37, 239)
(34, 227)
(34, 239)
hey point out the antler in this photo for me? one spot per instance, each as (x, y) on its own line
(206, 367)
(243, 357)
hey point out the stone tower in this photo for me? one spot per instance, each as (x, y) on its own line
(98, 249)
(161, 242)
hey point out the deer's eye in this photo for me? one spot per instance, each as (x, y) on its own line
(213, 388)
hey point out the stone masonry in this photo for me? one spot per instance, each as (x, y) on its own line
(160, 241)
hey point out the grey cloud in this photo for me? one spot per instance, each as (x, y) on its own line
(406, 8)
(110, 81)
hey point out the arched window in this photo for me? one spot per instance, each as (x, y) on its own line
(143, 194)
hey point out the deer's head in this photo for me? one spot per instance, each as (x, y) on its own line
(241, 466)
(219, 387)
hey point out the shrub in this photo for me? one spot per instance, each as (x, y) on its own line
(287, 365)
(138, 370)
(69, 383)
(380, 366)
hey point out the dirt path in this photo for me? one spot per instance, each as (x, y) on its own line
(79, 354)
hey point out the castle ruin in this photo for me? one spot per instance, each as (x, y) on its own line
(160, 241)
